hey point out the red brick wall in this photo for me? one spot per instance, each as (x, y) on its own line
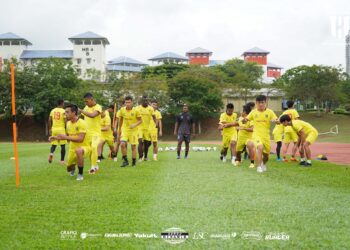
(194, 59)
(276, 73)
(262, 60)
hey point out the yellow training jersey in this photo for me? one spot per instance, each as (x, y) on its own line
(293, 113)
(118, 117)
(225, 118)
(129, 118)
(106, 121)
(58, 118)
(94, 124)
(146, 114)
(244, 133)
(298, 125)
(74, 129)
(262, 122)
(152, 125)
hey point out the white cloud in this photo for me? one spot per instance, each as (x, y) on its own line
(295, 32)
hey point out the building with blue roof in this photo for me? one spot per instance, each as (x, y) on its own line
(168, 57)
(11, 46)
(125, 66)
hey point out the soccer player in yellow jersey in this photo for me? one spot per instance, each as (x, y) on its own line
(147, 114)
(307, 135)
(131, 117)
(227, 123)
(57, 125)
(289, 134)
(92, 115)
(115, 132)
(277, 133)
(245, 132)
(106, 134)
(260, 142)
(154, 130)
(79, 145)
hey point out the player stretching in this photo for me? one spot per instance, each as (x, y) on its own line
(131, 117)
(184, 124)
(106, 134)
(260, 142)
(289, 134)
(57, 125)
(79, 144)
(92, 116)
(307, 135)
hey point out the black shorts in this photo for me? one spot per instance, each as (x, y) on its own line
(182, 137)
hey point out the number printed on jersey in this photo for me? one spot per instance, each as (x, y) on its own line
(57, 115)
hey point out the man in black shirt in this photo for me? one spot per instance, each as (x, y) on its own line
(183, 127)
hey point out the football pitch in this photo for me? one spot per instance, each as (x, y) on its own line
(218, 205)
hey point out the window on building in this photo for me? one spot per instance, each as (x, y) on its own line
(87, 42)
(88, 60)
(78, 42)
(79, 71)
(96, 42)
(7, 43)
(78, 61)
(0, 43)
(15, 43)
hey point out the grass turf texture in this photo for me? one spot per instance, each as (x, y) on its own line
(200, 194)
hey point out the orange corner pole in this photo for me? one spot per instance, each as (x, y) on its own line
(14, 126)
(114, 114)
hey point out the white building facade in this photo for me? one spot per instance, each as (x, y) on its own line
(88, 54)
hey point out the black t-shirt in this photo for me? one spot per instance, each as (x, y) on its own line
(185, 122)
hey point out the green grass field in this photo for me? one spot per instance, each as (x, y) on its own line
(200, 194)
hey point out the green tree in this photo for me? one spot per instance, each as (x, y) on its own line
(316, 83)
(25, 82)
(168, 70)
(197, 88)
(241, 77)
(54, 79)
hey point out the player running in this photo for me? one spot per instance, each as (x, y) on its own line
(307, 135)
(115, 132)
(57, 125)
(154, 129)
(147, 114)
(245, 133)
(227, 125)
(260, 142)
(79, 144)
(131, 117)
